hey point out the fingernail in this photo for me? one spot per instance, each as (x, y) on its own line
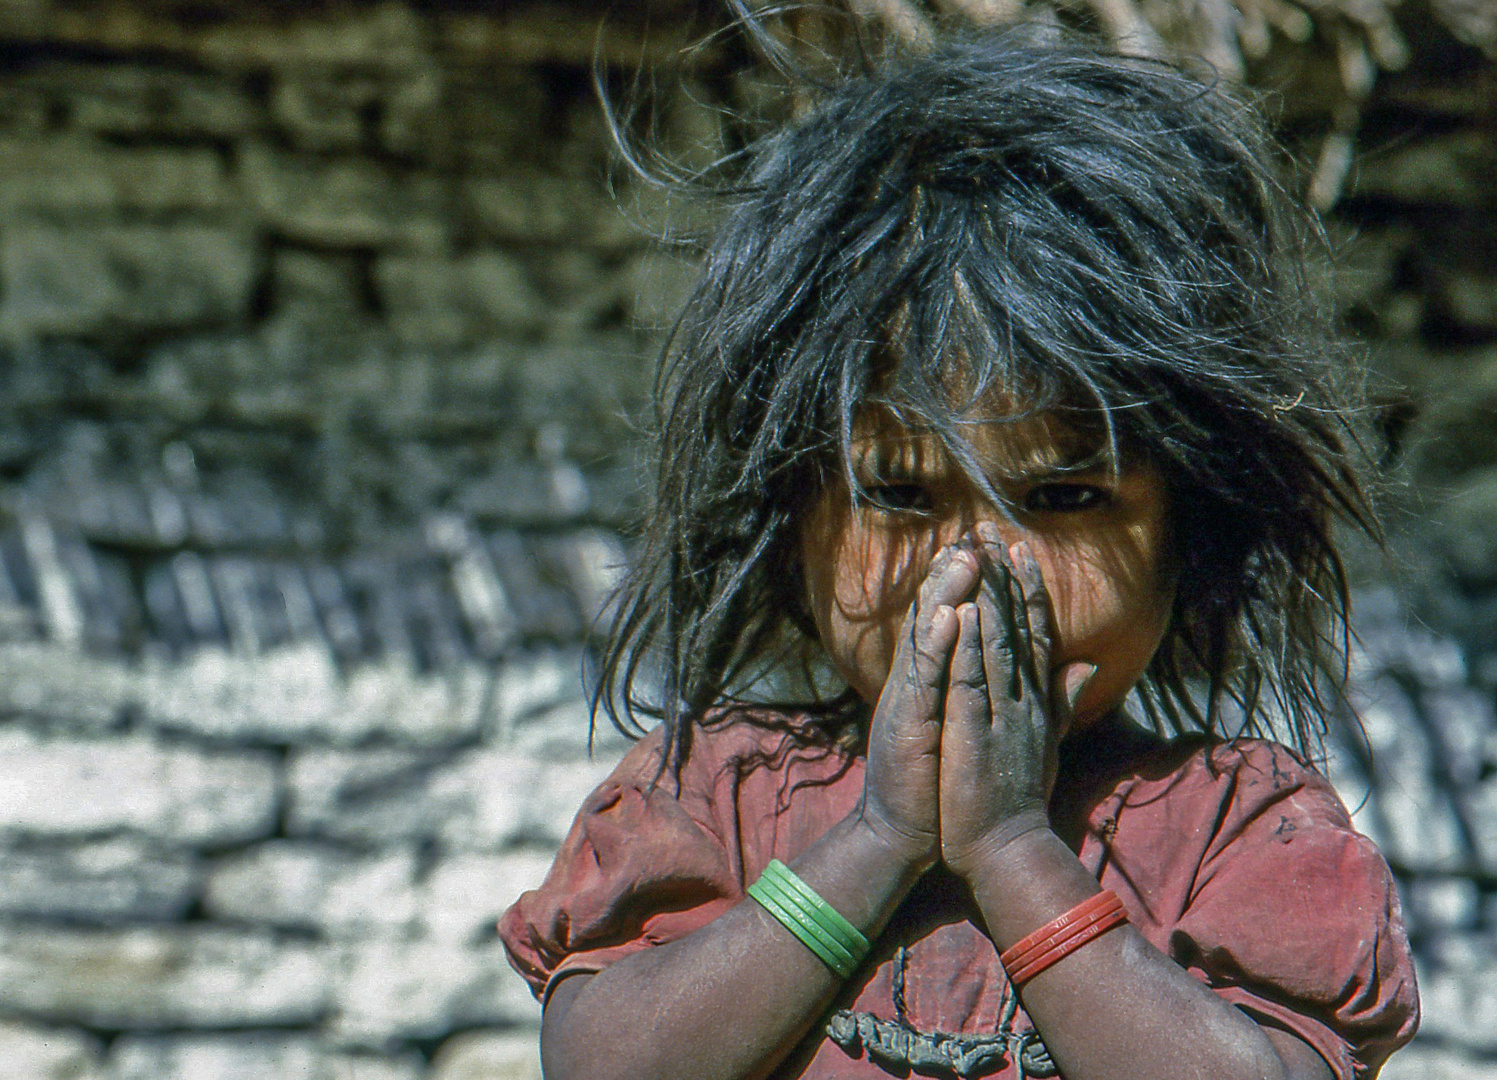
(1076, 679)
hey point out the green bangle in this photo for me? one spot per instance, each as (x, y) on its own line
(811, 935)
(819, 926)
(828, 917)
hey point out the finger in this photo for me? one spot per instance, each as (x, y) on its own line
(929, 655)
(1037, 615)
(953, 573)
(1001, 637)
(917, 676)
(1071, 684)
(1006, 631)
(1026, 726)
(1014, 647)
(1028, 618)
(923, 654)
(1020, 647)
(932, 629)
(967, 691)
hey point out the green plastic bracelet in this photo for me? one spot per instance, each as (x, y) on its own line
(827, 916)
(788, 910)
(809, 934)
(819, 926)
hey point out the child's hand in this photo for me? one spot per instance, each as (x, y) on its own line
(902, 782)
(1002, 728)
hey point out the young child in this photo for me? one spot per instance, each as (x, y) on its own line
(1004, 402)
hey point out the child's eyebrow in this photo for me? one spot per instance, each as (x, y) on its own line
(902, 457)
(898, 467)
(1070, 467)
(1023, 460)
(1050, 462)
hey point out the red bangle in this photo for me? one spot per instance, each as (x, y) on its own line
(1066, 948)
(1105, 898)
(1062, 936)
(1061, 930)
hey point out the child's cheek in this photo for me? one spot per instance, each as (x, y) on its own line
(1110, 612)
(860, 582)
(1083, 602)
(1097, 581)
(881, 578)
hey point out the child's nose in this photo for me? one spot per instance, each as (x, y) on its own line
(988, 529)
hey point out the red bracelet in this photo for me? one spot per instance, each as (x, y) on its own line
(1066, 948)
(1105, 898)
(1061, 930)
(1062, 936)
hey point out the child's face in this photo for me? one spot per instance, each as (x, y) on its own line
(1100, 541)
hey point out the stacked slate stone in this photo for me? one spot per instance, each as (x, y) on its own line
(269, 788)
(322, 341)
(1416, 228)
(322, 344)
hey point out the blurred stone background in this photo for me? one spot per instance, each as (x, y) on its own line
(321, 332)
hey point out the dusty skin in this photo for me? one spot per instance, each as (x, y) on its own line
(960, 768)
(1098, 536)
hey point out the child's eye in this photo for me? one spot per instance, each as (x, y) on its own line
(1060, 498)
(899, 498)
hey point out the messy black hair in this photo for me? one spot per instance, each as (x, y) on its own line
(1090, 233)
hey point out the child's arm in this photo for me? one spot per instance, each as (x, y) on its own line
(1117, 1008)
(732, 999)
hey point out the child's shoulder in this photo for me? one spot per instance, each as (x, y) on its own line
(1225, 761)
(734, 741)
(1256, 770)
(1225, 791)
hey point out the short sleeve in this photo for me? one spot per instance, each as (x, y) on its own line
(641, 865)
(1293, 916)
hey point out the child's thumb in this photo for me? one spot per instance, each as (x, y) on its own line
(1074, 679)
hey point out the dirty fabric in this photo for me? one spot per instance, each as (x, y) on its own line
(1236, 860)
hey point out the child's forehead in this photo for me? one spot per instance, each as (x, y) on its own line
(1013, 442)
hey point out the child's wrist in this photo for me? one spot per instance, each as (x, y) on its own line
(861, 872)
(995, 843)
(908, 854)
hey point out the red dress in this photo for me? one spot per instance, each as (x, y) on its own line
(1236, 860)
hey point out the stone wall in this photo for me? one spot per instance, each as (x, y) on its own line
(322, 335)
